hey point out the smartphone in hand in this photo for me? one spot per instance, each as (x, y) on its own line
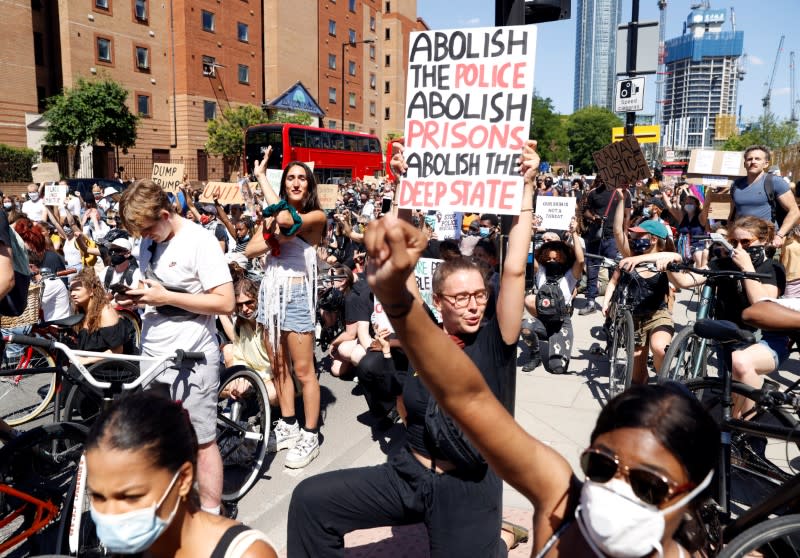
(119, 289)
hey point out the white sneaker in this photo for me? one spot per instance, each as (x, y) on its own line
(283, 436)
(304, 451)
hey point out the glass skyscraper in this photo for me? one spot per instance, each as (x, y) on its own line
(595, 51)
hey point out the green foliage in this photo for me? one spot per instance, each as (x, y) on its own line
(548, 129)
(302, 118)
(92, 112)
(226, 134)
(589, 130)
(767, 130)
(15, 163)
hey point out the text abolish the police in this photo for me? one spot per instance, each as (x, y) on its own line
(467, 118)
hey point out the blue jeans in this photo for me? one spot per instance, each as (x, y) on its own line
(606, 247)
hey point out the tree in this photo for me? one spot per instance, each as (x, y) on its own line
(767, 130)
(548, 130)
(226, 134)
(92, 112)
(589, 130)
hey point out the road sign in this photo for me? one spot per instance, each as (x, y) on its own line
(643, 134)
(629, 95)
(646, 48)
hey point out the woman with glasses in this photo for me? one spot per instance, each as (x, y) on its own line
(651, 453)
(750, 238)
(457, 497)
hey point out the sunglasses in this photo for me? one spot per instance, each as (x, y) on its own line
(651, 488)
(745, 243)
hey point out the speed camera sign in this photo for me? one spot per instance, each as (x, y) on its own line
(630, 95)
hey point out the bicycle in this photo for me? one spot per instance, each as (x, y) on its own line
(775, 538)
(687, 354)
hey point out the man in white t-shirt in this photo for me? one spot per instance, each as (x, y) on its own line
(34, 208)
(187, 283)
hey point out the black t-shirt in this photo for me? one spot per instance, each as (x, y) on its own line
(598, 200)
(358, 303)
(5, 229)
(495, 360)
(731, 298)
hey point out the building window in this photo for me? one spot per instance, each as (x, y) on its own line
(244, 73)
(387, 33)
(373, 81)
(243, 32)
(387, 86)
(209, 66)
(38, 48)
(386, 113)
(331, 94)
(142, 58)
(372, 108)
(208, 21)
(104, 48)
(351, 5)
(388, 60)
(351, 127)
(331, 28)
(332, 124)
(140, 10)
(351, 68)
(209, 110)
(143, 105)
(388, 7)
(352, 36)
(352, 100)
(104, 5)
(372, 52)
(372, 23)
(332, 61)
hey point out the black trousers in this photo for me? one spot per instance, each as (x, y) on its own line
(462, 515)
(379, 380)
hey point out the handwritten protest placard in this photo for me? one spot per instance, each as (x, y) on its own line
(379, 318)
(55, 194)
(556, 212)
(448, 225)
(45, 172)
(467, 117)
(719, 205)
(224, 192)
(168, 175)
(622, 163)
(328, 194)
(424, 271)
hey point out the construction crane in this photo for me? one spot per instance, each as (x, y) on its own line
(767, 96)
(792, 98)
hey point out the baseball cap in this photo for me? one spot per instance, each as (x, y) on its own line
(659, 203)
(209, 208)
(109, 191)
(656, 228)
(123, 243)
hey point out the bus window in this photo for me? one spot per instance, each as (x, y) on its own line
(374, 145)
(363, 145)
(297, 137)
(337, 141)
(314, 139)
(326, 140)
(350, 143)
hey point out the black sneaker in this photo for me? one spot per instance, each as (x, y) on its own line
(533, 361)
(229, 510)
(590, 308)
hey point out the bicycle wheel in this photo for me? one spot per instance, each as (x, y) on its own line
(756, 470)
(41, 462)
(23, 397)
(620, 358)
(774, 538)
(685, 358)
(243, 419)
(84, 403)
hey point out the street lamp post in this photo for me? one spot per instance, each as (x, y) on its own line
(344, 45)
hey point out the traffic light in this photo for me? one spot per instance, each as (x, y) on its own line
(519, 12)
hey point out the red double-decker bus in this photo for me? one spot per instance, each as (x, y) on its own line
(338, 156)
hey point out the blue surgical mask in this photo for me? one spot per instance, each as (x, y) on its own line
(690, 207)
(135, 531)
(646, 212)
(639, 245)
(485, 232)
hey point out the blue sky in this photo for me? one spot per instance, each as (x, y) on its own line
(763, 23)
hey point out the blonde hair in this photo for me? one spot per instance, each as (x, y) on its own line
(140, 204)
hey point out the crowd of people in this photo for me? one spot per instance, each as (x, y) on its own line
(265, 283)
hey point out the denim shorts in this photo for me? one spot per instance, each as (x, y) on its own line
(778, 345)
(298, 317)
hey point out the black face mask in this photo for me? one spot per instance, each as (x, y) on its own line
(553, 269)
(117, 259)
(757, 255)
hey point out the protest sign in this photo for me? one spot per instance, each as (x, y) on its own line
(55, 194)
(448, 225)
(717, 169)
(468, 105)
(424, 271)
(328, 194)
(556, 212)
(45, 172)
(168, 175)
(223, 192)
(379, 318)
(719, 206)
(621, 163)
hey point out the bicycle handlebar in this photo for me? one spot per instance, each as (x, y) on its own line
(614, 264)
(731, 273)
(34, 341)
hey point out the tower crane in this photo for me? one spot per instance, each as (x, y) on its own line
(767, 96)
(792, 98)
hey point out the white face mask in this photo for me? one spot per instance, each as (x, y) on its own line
(690, 207)
(615, 522)
(33, 196)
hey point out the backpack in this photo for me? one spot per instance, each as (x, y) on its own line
(450, 440)
(127, 275)
(778, 211)
(550, 302)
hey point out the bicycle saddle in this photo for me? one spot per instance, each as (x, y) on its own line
(723, 331)
(69, 321)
